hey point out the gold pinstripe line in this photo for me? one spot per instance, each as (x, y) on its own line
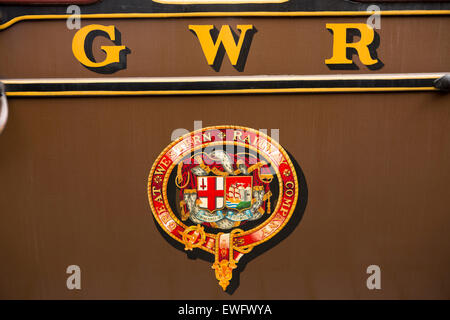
(225, 14)
(194, 92)
(399, 76)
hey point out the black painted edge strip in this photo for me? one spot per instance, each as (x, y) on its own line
(33, 88)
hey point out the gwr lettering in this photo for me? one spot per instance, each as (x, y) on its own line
(235, 47)
(225, 43)
(343, 51)
(115, 55)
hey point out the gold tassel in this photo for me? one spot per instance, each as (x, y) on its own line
(267, 197)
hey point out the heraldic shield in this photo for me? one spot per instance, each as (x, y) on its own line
(215, 193)
(223, 190)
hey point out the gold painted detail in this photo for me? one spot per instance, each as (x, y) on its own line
(267, 197)
(236, 242)
(193, 237)
(267, 178)
(224, 272)
(179, 178)
(184, 213)
(222, 14)
(224, 268)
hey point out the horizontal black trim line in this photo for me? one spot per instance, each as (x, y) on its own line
(237, 84)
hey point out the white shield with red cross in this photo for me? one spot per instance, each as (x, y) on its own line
(210, 192)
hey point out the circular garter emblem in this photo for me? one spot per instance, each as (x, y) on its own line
(224, 190)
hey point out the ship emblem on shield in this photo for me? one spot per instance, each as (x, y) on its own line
(238, 192)
(223, 190)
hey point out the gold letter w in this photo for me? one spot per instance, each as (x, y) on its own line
(214, 51)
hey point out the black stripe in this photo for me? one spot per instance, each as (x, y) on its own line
(219, 85)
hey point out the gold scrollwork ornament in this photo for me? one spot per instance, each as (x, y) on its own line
(193, 237)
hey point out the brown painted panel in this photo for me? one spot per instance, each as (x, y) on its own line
(73, 171)
(166, 47)
(73, 191)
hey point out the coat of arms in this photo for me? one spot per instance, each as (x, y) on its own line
(223, 190)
